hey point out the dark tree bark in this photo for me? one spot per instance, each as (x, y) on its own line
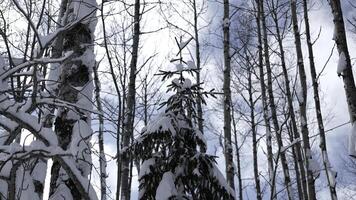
(129, 119)
(198, 63)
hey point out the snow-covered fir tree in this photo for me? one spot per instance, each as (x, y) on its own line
(170, 147)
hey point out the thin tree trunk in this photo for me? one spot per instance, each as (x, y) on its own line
(129, 121)
(239, 173)
(264, 100)
(277, 130)
(227, 98)
(118, 127)
(327, 167)
(302, 104)
(297, 166)
(198, 63)
(301, 179)
(102, 159)
(254, 134)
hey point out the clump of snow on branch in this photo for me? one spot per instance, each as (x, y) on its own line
(179, 67)
(166, 187)
(191, 64)
(162, 124)
(314, 165)
(145, 167)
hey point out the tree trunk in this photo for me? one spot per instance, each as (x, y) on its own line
(297, 165)
(117, 90)
(129, 121)
(198, 63)
(75, 87)
(327, 167)
(301, 179)
(254, 134)
(277, 130)
(347, 74)
(239, 174)
(52, 89)
(264, 100)
(227, 97)
(102, 159)
(302, 104)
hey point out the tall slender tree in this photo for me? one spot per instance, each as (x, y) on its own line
(308, 157)
(264, 99)
(299, 169)
(198, 63)
(330, 174)
(278, 132)
(102, 159)
(227, 97)
(129, 121)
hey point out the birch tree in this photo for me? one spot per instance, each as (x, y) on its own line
(344, 68)
(278, 132)
(300, 172)
(264, 98)
(68, 147)
(73, 128)
(308, 157)
(330, 174)
(227, 97)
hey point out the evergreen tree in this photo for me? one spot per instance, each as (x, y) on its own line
(174, 166)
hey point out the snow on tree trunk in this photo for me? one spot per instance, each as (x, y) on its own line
(39, 171)
(73, 127)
